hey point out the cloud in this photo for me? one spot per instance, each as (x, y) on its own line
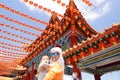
(29, 6)
(97, 13)
(48, 4)
(92, 15)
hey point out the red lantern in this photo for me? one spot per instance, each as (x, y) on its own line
(40, 7)
(12, 10)
(1, 16)
(63, 4)
(91, 49)
(87, 32)
(101, 45)
(83, 27)
(68, 61)
(1, 24)
(35, 4)
(92, 35)
(82, 54)
(6, 7)
(75, 10)
(1, 5)
(84, 0)
(113, 39)
(89, 4)
(16, 12)
(10, 19)
(48, 10)
(76, 16)
(30, 2)
(44, 9)
(25, 0)
(75, 58)
(58, 1)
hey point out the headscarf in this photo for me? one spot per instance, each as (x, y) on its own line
(60, 60)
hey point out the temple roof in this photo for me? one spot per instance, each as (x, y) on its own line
(106, 39)
(56, 28)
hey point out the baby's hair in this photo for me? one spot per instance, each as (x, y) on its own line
(43, 56)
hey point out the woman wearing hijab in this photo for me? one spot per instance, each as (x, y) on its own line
(56, 70)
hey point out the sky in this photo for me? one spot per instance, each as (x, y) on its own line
(102, 14)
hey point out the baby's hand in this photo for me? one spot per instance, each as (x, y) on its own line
(46, 67)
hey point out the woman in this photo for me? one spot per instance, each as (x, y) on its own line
(56, 70)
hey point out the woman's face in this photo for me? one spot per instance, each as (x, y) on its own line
(54, 56)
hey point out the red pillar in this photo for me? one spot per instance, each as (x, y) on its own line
(75, 69)
(73, 36)
(73, 42)
(97, 77)
(27, 77)
(32, 74)
(73, 39)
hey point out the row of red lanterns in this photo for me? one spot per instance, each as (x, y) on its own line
(7, 53)
(15, 28)
(22, 14)
(59, 2)
(10, 39)
(87, 2)
(3, 43)
(46, 9)
(15, 35)
(43, 8)
(14, 48)
(20, 23)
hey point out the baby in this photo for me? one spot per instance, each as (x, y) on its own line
(43, 67)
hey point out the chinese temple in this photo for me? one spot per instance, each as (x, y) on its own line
(84, 48)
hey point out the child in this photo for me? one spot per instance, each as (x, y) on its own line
(43, 67)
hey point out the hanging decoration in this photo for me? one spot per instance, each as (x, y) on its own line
(75, 58)
(23, 14)
(87, 2)
(20, 23)
(26, 32)
(68, 61)
(15, 35)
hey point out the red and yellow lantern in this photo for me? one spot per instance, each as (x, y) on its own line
(75, 58)
(91, 50)
(102, 45)
(68, 61)
(84, 27)
(30, 2)
(113, 39)
(1, 5)
(63, 4)
(25, 0)
(35, 4)
(58, 1)
(82, 54)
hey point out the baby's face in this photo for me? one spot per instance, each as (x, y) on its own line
(45, 59)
